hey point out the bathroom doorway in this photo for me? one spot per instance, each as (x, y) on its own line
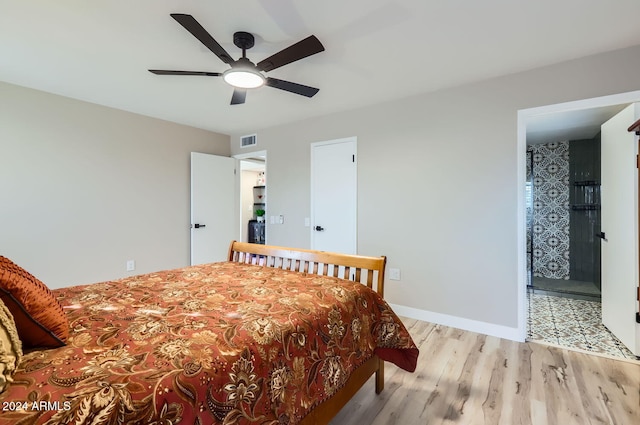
(563, 234)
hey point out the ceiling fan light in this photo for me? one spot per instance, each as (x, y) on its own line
(243, 78)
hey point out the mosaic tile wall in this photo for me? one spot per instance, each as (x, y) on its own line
(551, 210)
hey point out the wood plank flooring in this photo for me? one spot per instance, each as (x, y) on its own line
(473, 379)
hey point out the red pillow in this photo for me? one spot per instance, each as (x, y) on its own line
(39, 317)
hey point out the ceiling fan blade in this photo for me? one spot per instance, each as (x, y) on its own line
(307, 47)
(291, 87)
(239, 95)
(191, 25)
(165, 72)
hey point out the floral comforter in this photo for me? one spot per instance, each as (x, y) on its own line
(217, 343)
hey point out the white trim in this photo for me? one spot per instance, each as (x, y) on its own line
(457, 322)
(353, 139)
(250, 154)
(523, 116)
(521, 222)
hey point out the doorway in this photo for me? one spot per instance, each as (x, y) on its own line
(557, 119)
(252, 197)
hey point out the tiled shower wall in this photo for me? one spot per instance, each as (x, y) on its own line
(551, 210)
(584, 182)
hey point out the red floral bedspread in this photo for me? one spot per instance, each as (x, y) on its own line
(222, 342)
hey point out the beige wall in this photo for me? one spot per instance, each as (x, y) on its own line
(85, 187)
(437, 182)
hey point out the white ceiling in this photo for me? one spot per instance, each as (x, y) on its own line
(376, 50)
(570, 125)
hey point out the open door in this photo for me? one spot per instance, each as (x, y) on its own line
(620, 228)
(212, 207)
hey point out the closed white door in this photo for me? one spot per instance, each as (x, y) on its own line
(334, 196)
(212, 207)
(620, 226)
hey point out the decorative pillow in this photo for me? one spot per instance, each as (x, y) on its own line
(10, 347)
(39, 317)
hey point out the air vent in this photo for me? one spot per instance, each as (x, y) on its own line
(246, 141)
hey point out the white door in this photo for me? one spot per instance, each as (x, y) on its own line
(212, 207)
(620, 227)
(334, 196)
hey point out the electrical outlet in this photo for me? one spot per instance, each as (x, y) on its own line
(394, 274)
(131, 265)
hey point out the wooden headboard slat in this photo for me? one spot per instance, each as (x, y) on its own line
(370, 279)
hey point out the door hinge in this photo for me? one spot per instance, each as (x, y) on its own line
(637, 161)
(353, 158)
(638, 313)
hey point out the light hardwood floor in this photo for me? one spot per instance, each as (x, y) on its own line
(468, 378)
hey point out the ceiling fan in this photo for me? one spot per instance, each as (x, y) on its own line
(243, 73)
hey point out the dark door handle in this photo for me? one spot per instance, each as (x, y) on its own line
(601, 235)
(197, 226)
(319, 228)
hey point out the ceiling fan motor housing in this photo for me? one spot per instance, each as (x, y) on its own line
(243, 40)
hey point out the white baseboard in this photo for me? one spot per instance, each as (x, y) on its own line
(499, 331)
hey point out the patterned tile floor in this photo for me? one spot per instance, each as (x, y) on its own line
(572, 323)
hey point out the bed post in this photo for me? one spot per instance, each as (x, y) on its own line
(230, 254)
(380, 286)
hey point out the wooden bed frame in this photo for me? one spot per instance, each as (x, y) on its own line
(366, 270)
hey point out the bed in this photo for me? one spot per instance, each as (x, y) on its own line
(272, 336)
